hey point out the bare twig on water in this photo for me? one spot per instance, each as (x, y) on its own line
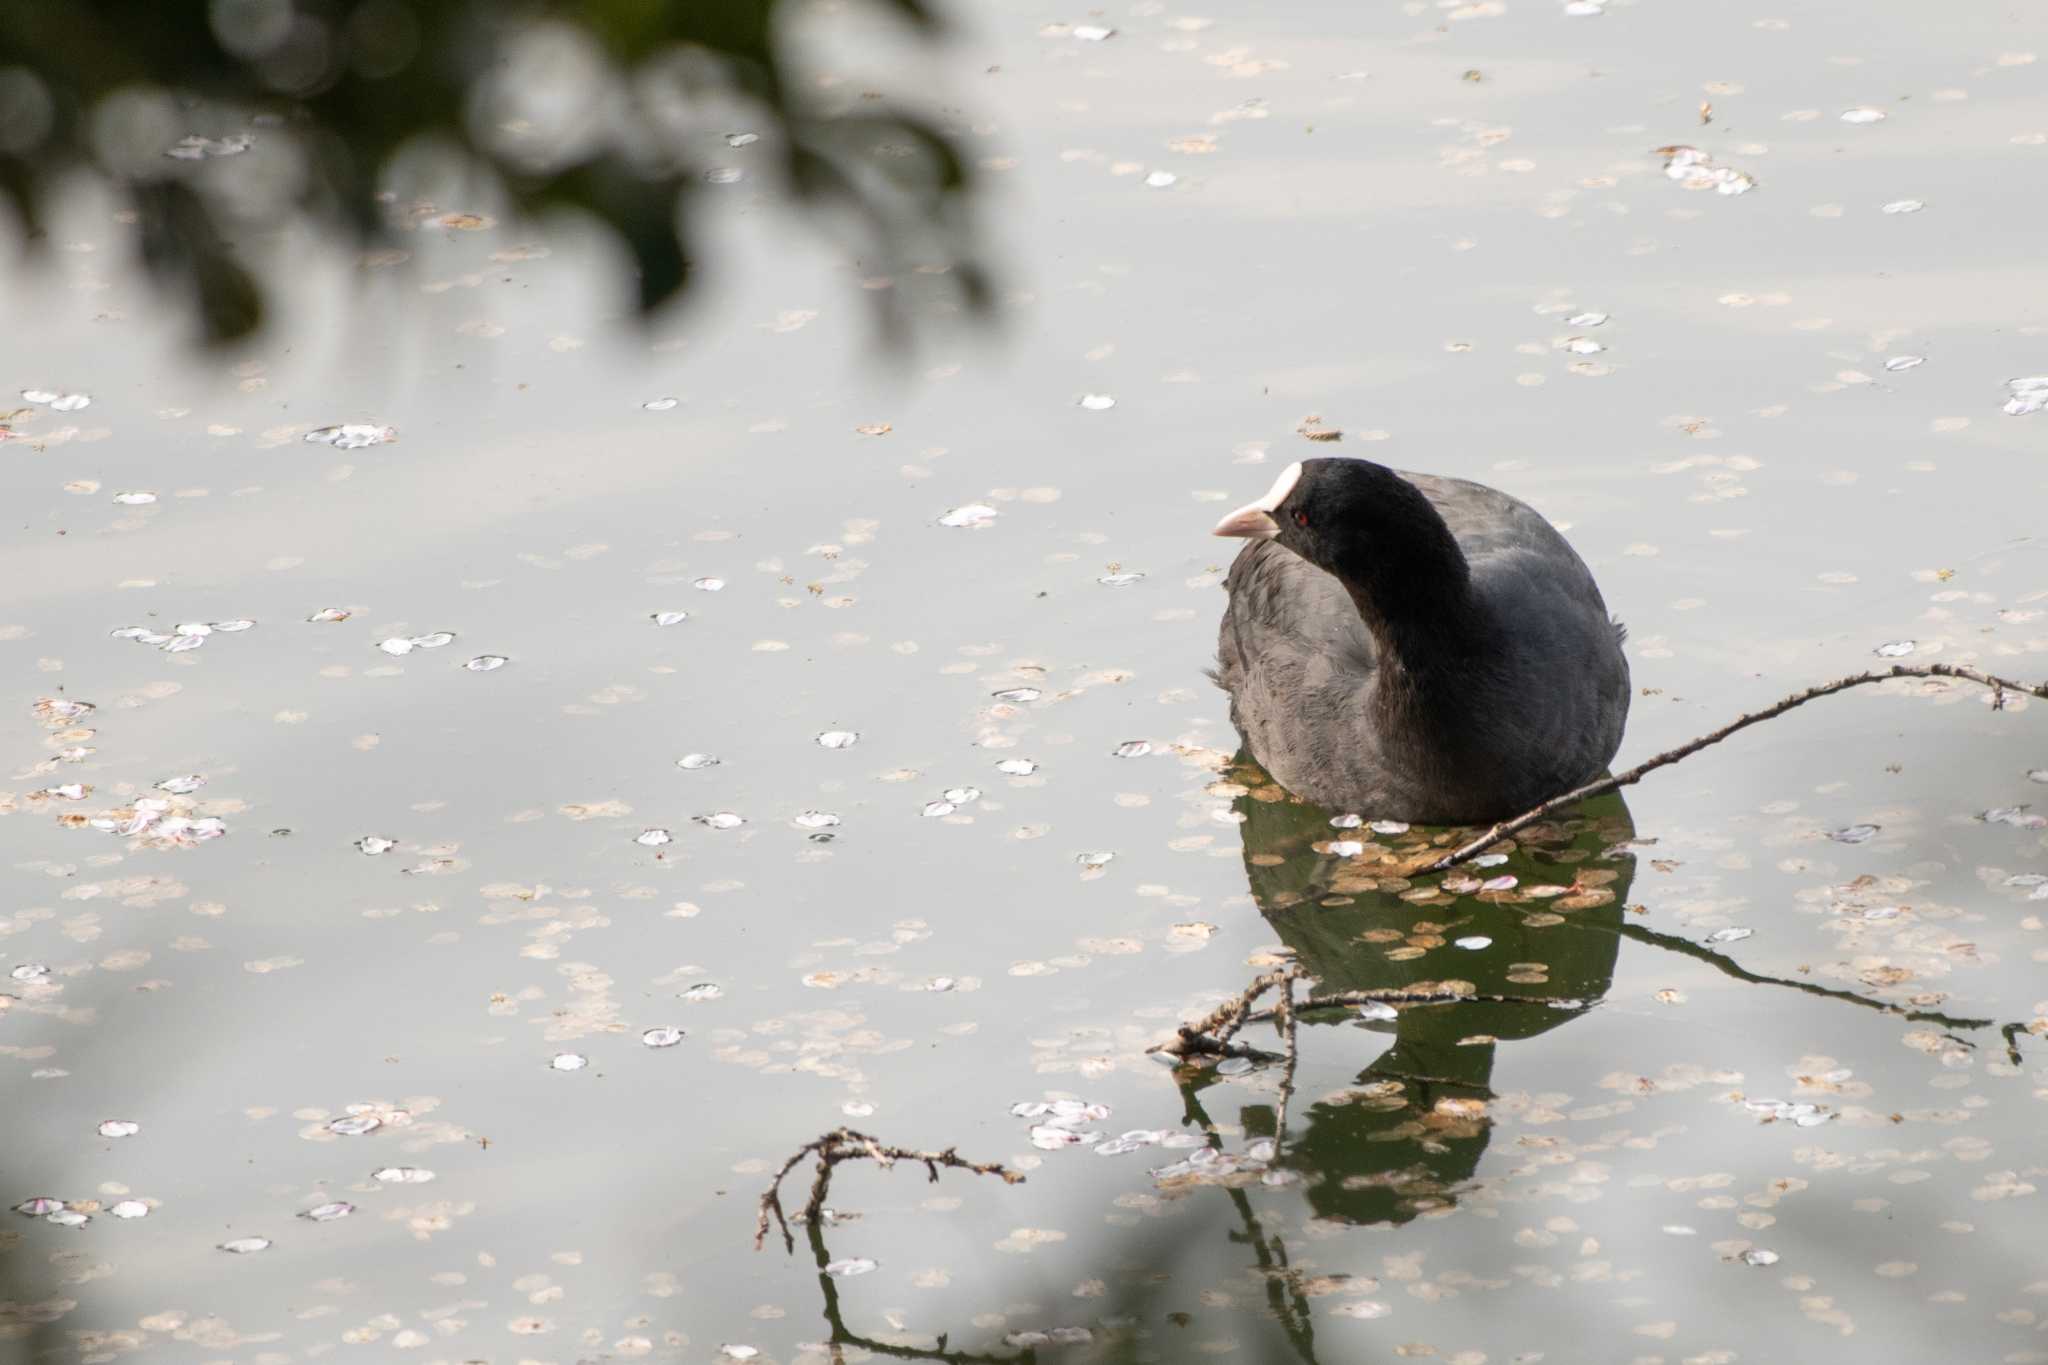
(1472, 848)
(1212, 1035)
(844, 1144)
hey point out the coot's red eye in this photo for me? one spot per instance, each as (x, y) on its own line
(1301, 518)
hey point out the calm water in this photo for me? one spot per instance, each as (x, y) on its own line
(1358, 227)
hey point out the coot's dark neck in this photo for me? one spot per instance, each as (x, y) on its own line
(1413, 589)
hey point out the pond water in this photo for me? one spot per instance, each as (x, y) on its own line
(1786, 1098)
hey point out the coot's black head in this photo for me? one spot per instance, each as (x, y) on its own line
(1362, 522)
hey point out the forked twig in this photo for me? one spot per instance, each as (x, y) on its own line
(1472, 848)
(1211, 1036)
(844, 1144)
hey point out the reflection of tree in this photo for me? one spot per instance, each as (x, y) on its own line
(226, 119)
(1414, 1126)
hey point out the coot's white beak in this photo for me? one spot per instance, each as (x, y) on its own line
(1254, 520)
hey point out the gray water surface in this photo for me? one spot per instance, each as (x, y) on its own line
(1384, 217)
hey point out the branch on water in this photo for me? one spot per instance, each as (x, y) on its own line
(1211, 1036)
(844, 1144)
(1472, 848)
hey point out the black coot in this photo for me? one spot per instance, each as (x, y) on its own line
(1416, 648)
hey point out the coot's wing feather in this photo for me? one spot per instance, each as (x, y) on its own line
(1532, 578)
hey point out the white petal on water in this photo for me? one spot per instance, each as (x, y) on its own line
(838, 739)
(1474, 942)
(1097, 402)
(817, 819)
(329, 614)
(135, 498)
(402, 1175)
(2028, 395)
(487, 663)
(68, 1218)
(660, 404)
(234, 627)
(741, 139)
(737, 1352)
(1346, 821)
(1017, 767)
(327, 1213)
(1401, 827)
(1094, 859)
(1895, 649)
(433, 639)
(665, 1036)
(1504, 882)
(703, 990)
(396, 646)
(940, 984)
(854, 1265)
(1346, 848)
(1378, 1011)
(1905, 362)
(1862, 114)
(351, 435)
(2037, 775)
(568, 1061)
(721, 819)
(1759, 1256)
(653, 837)
(1584, 9)
(40, 1206)
(1854, 834)
(1119, 580)
(669, 618)
(1017, 694)
(30, 971)
(973, 514)
(1583, 346)
(1133, 748)
(119, 1128)
(961, 796)
(192, 628)
(1092, 33)
(1586, 320)
(1904, 206)
(178, 644)
(1730, 935)
(1695, 170)
(373, 844)
(692, 762)
(1160, 180)
(129, 1208)
(934, 809)
(709, 585)
(245, 1246)
(354, 1125)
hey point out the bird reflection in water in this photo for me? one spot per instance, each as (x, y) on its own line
(1409, 1132)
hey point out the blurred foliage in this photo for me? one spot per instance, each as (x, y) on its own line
(222, 120)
